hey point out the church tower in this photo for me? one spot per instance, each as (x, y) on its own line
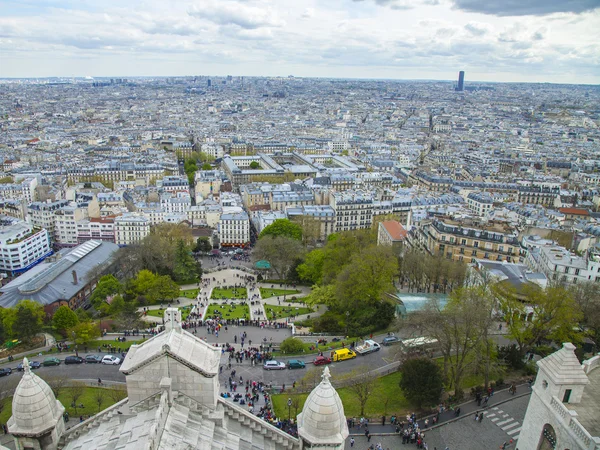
(322, 423)
(37, 417)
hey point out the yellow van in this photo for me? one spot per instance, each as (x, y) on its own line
(342, 354)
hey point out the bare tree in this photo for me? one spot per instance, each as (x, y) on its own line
(117, 393)
(99, 395)
(57, 384)
(362, 386)
(311, 379)
(76, 390)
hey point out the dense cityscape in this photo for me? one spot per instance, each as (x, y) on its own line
(381, 230)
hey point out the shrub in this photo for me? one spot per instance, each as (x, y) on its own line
(292, 345)
(530, 369)
(500, 382)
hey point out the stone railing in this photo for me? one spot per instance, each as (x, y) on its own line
(591, 364)
(569, 417)
(103, 416)
(160, 418)
(561, 409)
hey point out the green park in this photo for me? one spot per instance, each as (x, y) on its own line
(269, 292)
(229, 293)
(228, 311)
(279, 312)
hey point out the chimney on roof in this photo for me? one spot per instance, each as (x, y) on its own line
(74, 273)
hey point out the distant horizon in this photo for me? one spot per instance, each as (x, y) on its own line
(536, 41)
(401, 80)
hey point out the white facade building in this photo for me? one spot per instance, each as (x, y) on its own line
(564, 407)
(22, 246)
(234, 229)
(353, 210)
(173, 402)
(66, 225)
(131, 228)
(43, 215)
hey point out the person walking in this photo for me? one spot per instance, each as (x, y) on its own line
(351, 442)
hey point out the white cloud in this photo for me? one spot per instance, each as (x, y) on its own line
(333, 38)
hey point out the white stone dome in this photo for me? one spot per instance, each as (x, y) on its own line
(35, 410)
(322, 420)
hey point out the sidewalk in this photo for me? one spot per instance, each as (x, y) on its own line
(467, 409)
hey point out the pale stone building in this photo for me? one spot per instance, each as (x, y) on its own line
(564, 409)
(173, 403)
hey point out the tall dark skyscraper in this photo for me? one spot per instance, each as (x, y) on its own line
(208, 82)
(461, 81)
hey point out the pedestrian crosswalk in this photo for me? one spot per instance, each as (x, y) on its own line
(506, 423)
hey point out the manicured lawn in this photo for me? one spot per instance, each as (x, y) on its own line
(189, 293)
(278, 312)
(311, 347)
(185, 311)
(229, 312)
(386, 390)
(88, 399)
(131, 340)
(229, 293)
(268, 292)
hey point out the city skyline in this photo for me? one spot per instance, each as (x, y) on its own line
(370, 39)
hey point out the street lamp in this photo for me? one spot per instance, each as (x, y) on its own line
(347, 319)
(289, 408)
(74, 342)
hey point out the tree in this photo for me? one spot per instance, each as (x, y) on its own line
(63, 319)
(206, 166)
(362, 386)
(57, 384)
(254, 165)
(312, 268)
(116, 305)
(587, 297)
(203, 244)
(292, 345)
(76, 390)
(99, 395)
(311, 229)
(28, 320)
(282, 227)
(117, 393)
(129, 318)
(368, 276)
(458, 330)
(85, 332)
(186, 267)
(553, 315)
(163, 289)
(107, 285)
(421, 382)
(280, 251)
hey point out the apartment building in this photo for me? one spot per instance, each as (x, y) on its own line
(43, 215)
(468, 239)
(433, 183)
(131, 228)
(21, 246)
(23, 190)
(390, 233)
(117, 171)
(234, 229)
(559, 264)
(353, 210)
(99, 229)
(177, 202)
(538, 195)
(481, 203)
(66, 225)
(174, 183)
(207, 215)
(207, 183)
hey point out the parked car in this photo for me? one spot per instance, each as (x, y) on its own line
(73, 360)
(5, 371)
(111, 359)
(32, 365)
(389, 340)
(295, 364)
(321, 360)
(52, 361)
(274, 365)
(93, 359)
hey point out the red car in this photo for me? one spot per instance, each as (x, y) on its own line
(320, 360)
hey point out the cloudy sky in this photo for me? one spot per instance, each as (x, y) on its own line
(492, 40)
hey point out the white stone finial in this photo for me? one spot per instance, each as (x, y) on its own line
(172, 319)
(26, 369)
(326, 375)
